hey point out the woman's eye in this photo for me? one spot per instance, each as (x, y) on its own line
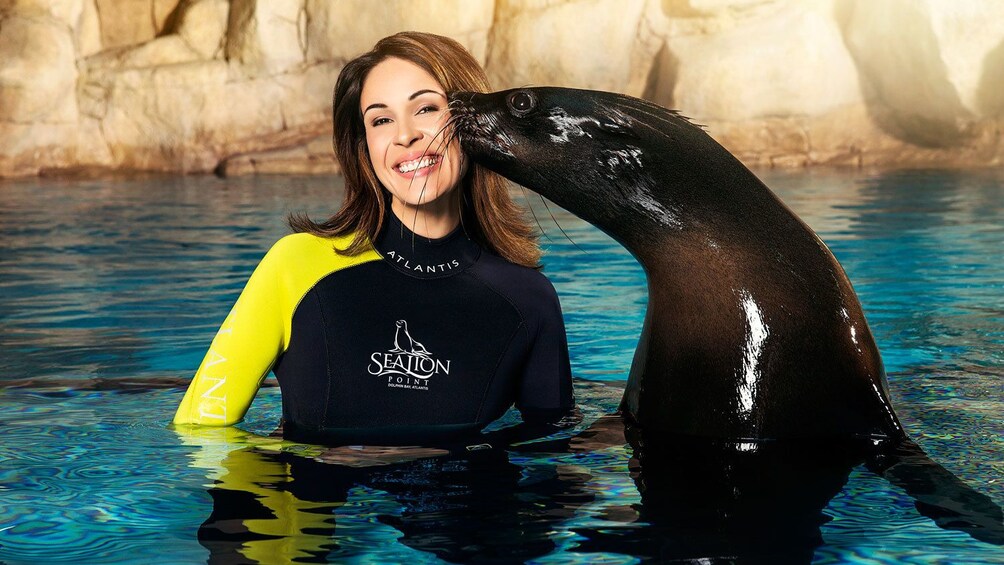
(380, 121)
(427, 109)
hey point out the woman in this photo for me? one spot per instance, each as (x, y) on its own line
(414, 314)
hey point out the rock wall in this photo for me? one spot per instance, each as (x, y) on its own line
(244, 85)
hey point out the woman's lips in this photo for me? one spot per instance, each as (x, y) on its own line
(419, 165)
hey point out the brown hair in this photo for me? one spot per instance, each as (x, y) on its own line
(490, 217)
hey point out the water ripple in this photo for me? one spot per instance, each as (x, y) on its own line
(111, 290)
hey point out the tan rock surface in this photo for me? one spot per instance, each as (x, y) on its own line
(66, 12)
(245, 85)
(923, 64)
(37, 73)
(158, 52)
(342, 30)
(314, 157)
(128, 22)
(581, 43)
(88, 30)
(203, 26)
(804, 71)
(267, 37)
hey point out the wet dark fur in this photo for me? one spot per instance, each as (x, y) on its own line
(753, 332)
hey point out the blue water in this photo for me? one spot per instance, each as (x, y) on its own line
(110, 291)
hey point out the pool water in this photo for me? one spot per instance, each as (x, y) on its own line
(111, 290)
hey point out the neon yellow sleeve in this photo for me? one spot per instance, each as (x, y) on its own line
(241, 354)
(258, 327)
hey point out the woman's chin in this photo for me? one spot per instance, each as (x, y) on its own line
(427, 199)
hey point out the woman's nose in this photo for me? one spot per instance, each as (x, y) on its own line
(407, 133)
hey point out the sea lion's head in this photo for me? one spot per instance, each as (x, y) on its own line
(611, 159)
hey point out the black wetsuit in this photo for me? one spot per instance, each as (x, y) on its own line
(415, 341)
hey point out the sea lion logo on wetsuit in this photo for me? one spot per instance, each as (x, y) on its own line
(409, 364)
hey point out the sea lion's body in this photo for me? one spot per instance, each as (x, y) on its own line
(753, 331)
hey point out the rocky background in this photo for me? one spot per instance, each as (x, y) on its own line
(238, 86)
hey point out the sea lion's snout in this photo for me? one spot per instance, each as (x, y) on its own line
(464, 105)
(461, 103)
(581, 149)
(482, 126)
(519, 102)
(461, 97)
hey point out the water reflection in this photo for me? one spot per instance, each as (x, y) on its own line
(742, 502)
(276, 502)
(716, 502)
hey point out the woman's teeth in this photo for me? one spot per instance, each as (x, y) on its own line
(409, 166)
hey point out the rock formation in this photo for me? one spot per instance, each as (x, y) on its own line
(241, 86)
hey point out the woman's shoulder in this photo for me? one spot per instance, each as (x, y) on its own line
(317, 252)
(524, 285)
(303, 242)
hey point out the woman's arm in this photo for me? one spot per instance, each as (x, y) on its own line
(545, 399)
(258, 328)
(545, 391)
(241, 354)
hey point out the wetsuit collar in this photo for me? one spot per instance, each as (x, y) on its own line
(422, 257)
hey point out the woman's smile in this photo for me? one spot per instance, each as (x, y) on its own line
(405, 114)
(418, 164)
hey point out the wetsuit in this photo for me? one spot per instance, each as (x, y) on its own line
(412, 341)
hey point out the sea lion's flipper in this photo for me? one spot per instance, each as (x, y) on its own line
(940, 495)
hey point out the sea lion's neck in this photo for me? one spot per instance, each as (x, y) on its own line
(713, 203)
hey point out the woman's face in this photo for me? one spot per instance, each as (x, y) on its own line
(404, 111)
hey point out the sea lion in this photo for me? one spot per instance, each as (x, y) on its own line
(753, 331)
(401, 336)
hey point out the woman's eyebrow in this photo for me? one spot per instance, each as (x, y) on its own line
(426, 91)
(412, 97)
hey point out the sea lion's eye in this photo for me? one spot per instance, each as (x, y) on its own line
(522, 102)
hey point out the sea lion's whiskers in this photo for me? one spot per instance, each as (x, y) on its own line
(653, 109)
(453, 134)
(421, 195)
(532, 213)
(444, 142)
(463, 202)
(658, 116)
(555, 220)
(425, 183)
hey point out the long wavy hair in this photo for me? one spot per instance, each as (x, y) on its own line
(488, 214)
